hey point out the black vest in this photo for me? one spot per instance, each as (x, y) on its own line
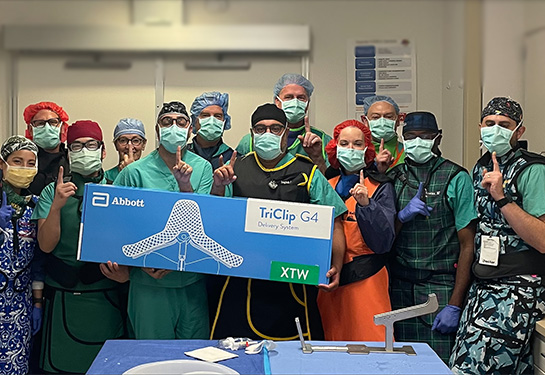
(289, 182)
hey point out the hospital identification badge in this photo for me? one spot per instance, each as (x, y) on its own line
(490, 250)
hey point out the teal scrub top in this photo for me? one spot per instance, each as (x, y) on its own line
(460, 198)
(531, 184)
(151, 172)
(111, 174)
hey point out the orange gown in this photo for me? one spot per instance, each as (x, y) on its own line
(347, 313)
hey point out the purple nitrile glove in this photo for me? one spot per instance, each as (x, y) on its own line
(414, 207)
(5, 211)
(447, 320)
(36, 319)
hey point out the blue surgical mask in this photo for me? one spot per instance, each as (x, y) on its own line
(294, 109)
(211, 128)
(47, 136)
(418, 149)
(85, 162)
(497, 139)
(172, 137)
(267, 145)
(351, 159)
(382, 128)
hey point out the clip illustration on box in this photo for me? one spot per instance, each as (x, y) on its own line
(256, 238)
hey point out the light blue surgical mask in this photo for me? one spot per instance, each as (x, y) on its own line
(267, 145)
(382, 128)
(418, 149)
(85, 162)
(211, 128)
(47, 136)
(172, 137)
(351, 159)
(497, 139)
(294, 109)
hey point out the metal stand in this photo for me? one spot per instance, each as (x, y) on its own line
(387, 319)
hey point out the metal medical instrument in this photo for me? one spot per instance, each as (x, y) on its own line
(387, 319)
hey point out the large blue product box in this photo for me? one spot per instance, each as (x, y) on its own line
(255, 238)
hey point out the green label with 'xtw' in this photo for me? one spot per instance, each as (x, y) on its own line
(295, 273)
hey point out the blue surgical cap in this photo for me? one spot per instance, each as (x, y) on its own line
(206, 100)
(370, 100)
(293, 79)
(129, 126)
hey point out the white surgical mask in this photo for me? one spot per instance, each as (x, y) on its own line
(382, 128)
(294, 109)
(418, 149)
(85, 162)
(351, 159)
(497, 139)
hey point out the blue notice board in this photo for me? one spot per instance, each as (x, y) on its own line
(254, 238)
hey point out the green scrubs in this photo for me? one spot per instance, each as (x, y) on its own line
(111, 174)
(82, 307)
(174, 307)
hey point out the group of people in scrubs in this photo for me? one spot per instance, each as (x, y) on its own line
(408, 222)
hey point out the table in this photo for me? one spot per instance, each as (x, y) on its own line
(117, 356)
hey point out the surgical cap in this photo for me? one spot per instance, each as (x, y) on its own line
(269, 111)
(370, 100)
(331, 147)
(293, 79)
(83, 129)
(206, 100)
(504, 107)
(173, 107)
(16, 143)
(420, 121)
(31, 111)
(129, 126)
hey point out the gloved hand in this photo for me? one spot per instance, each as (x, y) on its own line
(5, 212)
(414, 207)
(36, 319)
(447, 320)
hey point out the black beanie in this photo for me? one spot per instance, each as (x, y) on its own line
(268, 111)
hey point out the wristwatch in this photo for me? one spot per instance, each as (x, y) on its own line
(502, 202)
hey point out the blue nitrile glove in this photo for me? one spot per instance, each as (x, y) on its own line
(36, 319)
(447, 320)
(414, 207)
(5, 212)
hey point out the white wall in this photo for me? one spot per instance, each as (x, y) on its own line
(435, 26)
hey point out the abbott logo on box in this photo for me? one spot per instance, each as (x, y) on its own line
(100, 199)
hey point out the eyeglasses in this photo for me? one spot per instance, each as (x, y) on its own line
(41, 123)
(134, 141)
(91, 145)
(275, 129)
(167, 121)
(429, 136)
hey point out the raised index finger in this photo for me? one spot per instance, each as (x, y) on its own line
(178, 154)
(60, 175)
(233, 159)
(307, 125)
(495, 162)
(381, 147)
(361, 177)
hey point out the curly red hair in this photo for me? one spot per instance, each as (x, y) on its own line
(331, 147)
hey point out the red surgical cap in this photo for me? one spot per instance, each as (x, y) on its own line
(32, 109)
(83, 129)
(331, 147)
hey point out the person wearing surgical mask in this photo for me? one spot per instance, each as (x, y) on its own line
(382, 116)
(369, 233)
(21, 307)
(433, 250)
(47, 125)
(210, 120)
(165, 304)
(129, 141)
(74, 288)
(271, 172)
(292, 93)
(507, 296)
